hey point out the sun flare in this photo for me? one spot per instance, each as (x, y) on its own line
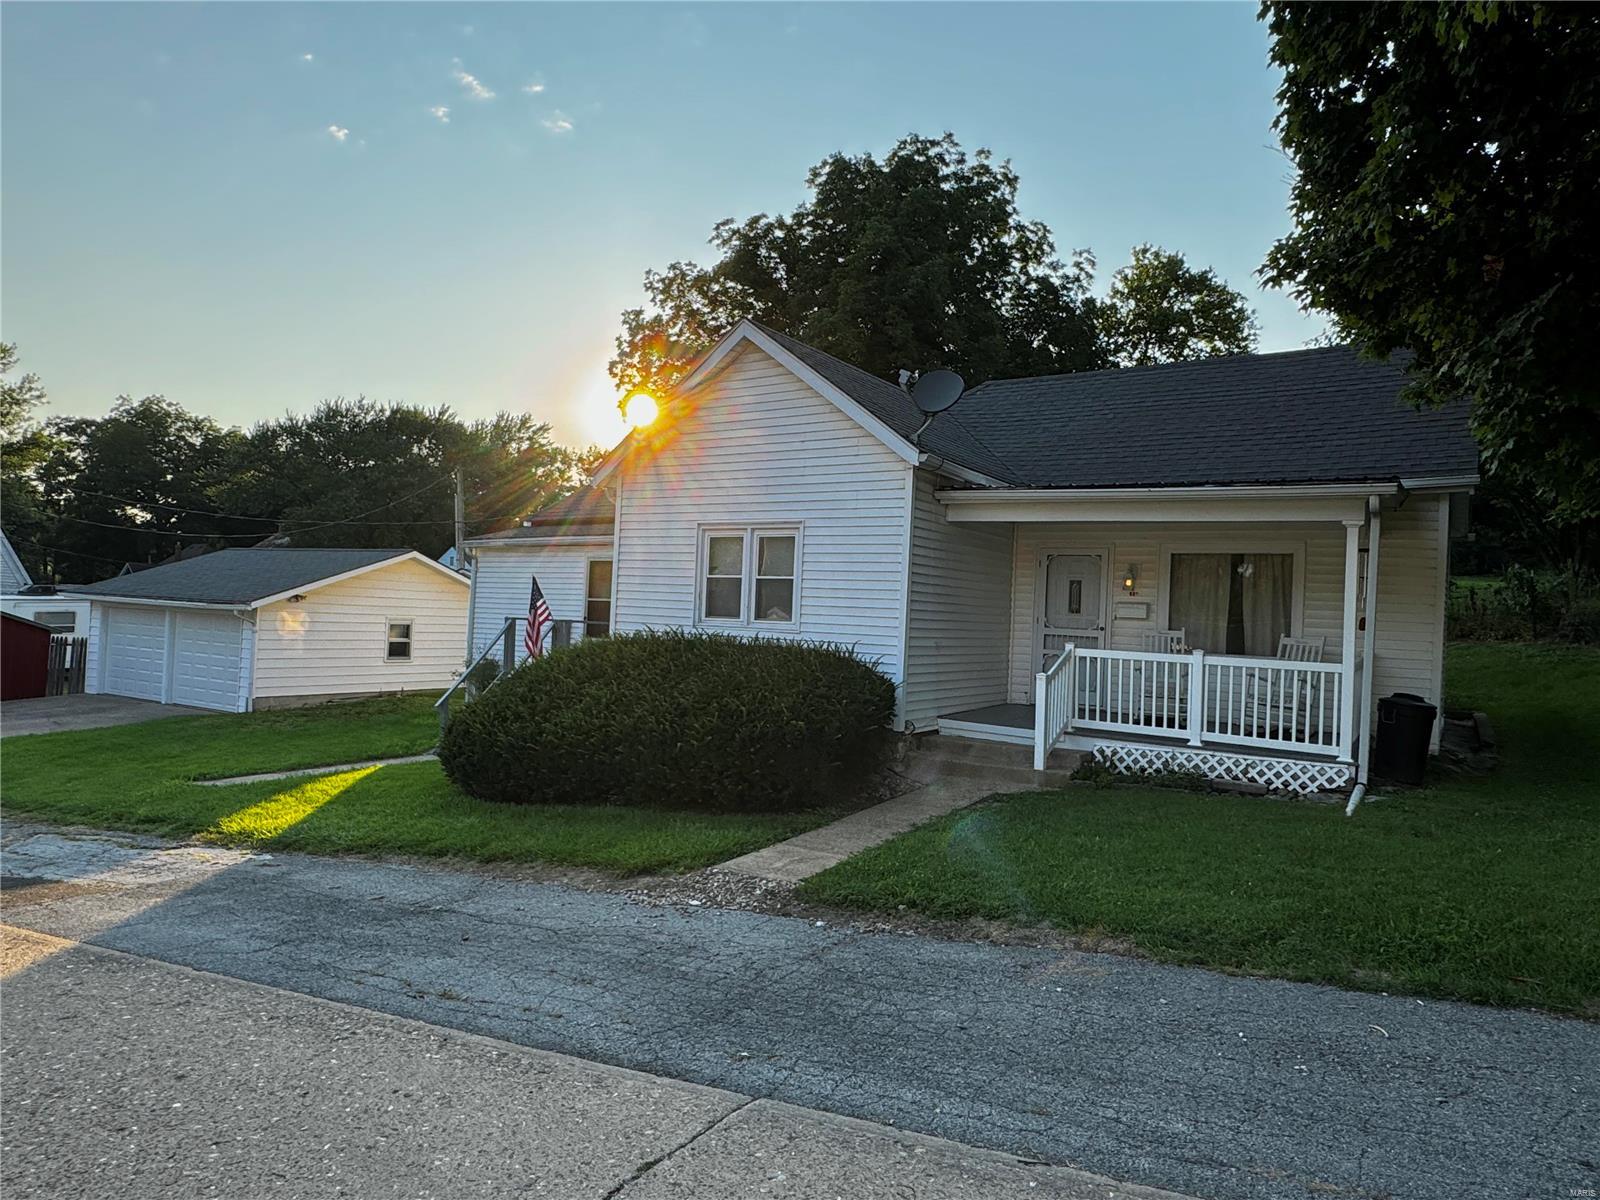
(641, 409)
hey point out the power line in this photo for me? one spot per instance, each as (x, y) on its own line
(209, 512)
(75, 553)
(258, 534)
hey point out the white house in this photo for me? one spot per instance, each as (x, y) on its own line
(1212, 565)
(264, 628)
(42, 603)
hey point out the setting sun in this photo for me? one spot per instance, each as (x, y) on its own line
(641, 409)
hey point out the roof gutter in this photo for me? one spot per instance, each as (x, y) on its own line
(1315, 491)
(238, 606)
(934, 463)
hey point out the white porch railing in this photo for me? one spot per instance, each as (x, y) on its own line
(1053, 704)
(1262, 703)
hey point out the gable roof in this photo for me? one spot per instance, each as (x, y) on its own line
(13, 575)
(588, 512)
(247, 577)
(1317, 416)
(1303, 416)
(886, 401)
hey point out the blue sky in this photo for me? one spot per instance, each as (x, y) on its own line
(252, 207)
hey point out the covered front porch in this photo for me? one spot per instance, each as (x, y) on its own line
(1227, 632)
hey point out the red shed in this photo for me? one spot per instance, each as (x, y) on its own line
(24, 657)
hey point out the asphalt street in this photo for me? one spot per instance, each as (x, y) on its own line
(1182, 1079)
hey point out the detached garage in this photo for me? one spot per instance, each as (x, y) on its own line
(245, 629)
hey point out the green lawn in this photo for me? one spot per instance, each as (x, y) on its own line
(136, 777)
(1482, 889)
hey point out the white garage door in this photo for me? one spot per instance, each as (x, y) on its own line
(206, 661)
(136, 652)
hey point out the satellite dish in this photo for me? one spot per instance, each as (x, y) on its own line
(936, 391)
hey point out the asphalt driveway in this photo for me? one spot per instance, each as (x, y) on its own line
(52, 714)
(1184, 1079)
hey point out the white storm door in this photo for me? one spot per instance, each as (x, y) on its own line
(1072, 604)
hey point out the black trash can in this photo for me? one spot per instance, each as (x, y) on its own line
(1405, 727)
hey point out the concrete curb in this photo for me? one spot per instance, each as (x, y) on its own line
(265, 776)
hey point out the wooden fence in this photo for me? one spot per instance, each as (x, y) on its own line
(69, 658)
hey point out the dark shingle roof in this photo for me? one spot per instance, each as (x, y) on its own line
(588, 512)
(1304, 416)
(235, 576)
(946, 438)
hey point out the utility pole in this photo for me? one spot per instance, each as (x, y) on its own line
(461, 519)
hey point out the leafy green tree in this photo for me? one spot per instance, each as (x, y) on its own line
(919, 259)
(1448, 164)
(24, 447)
(137, 484)
(1159, 309)
(389, 469)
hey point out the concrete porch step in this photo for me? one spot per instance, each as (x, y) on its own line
(1004, 762)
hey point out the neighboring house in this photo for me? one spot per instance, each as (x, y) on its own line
(1211, 565)
(263, 628)
(568, 548)
(39, 602)
(13, 575)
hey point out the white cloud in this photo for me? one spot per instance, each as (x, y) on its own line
(557, 122)
(471, 84)
(338, 132)
(534, 87)
(441, 111)
(308, 58)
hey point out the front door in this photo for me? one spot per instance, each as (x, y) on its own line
(1074, 604)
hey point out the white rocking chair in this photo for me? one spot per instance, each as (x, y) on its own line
(1291, 649)
(1164, 711)
(1163, 641)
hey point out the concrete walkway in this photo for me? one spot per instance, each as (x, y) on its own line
(265, 776)
(129, 1079)
(55, 714)
(1205, 1084)
(951, 772)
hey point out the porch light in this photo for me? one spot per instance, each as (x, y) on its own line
(1130, 578)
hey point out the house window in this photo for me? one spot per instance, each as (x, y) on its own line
(597, 599)
(1232, 603)
(399, 641)
(750, 576)
(59, 622)
(775, 577)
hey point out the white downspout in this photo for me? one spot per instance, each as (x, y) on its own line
(1369, 610)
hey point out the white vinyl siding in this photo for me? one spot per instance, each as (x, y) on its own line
(1316, 609)
(959, 612)
(335, 641)
(762, 450)
(1413, 561)
(502, 577)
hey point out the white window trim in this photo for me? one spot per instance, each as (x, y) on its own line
(411, 641)
(1240, 545)
(609, 597)
(747, 580)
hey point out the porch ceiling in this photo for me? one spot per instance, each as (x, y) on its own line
(1163, 505)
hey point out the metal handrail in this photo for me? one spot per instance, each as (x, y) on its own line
(507, 636)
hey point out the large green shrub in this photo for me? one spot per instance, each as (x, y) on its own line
(1523, 605)
(675, 719)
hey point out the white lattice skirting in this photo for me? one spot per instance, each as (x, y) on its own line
(1278, 774)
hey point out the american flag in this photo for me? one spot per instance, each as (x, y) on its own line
(539, 622)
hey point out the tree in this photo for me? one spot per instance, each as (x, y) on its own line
(138, 484)
(1448, 162)
(1160, 309)
(361, 473)
(918, 260)
(24, 447)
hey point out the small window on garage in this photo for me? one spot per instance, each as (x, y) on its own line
(399, 641)
(59, 622)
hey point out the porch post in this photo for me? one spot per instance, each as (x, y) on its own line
(1347, 641)
(1197, 697)
(1369, 638)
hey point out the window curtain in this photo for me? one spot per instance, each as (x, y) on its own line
(1199, 602)
(1267, 583)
